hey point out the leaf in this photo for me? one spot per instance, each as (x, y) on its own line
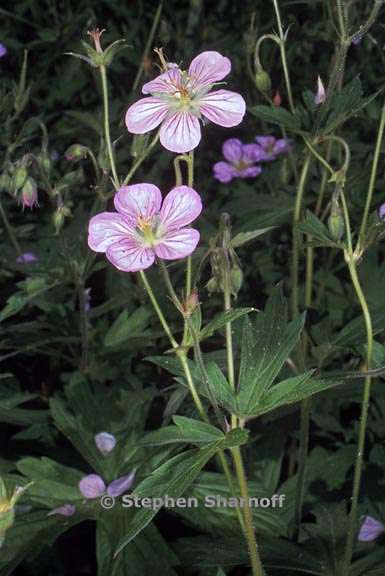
(171, 478)
(187, 431)
(317, 230)
(265, 347)
(222, 319)
(126, 327)
(276, 115)
(243, 237)
(291, 391)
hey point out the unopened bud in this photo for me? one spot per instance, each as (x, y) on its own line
(76, 152)
(29, 197)
(320, 97)
(190, 304)
(336, 222)
(20, 175)
(59, 217)
(262, 80)
(277, 100)
(236, 279)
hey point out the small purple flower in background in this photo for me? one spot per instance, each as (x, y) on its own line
(320, 97)
(144, 227)
(357, 41)
(370, 529)
(121, 485)
(241, 161)
(381, 212)
(93, 486)
(26, 258)
(270, 148)
(3, 50)
(105, 442)
(179, 99)
(65, 510)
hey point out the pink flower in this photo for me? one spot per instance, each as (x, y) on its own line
(121, 485)
(179, 99)
(145, 228)
(92, 486)
(26, 258)
(241, 161)
(65, 510)
(3, 50)
(105, 442)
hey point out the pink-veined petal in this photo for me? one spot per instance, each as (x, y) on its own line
(223, 107)
(107, 228)
(180, 132)
(130, 256)
(370, 529)
(177, 244)
(164, 83)
(138, 200)
(208, 68)
(181, 206)
(232, 150)
(146, 114)
(224, 172)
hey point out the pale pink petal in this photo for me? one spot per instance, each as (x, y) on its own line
(232, 150)
(207, 68)
(164, 83)
(180, 132)
(177, 244)
(130, 256)
(107, 228)
(223, 107)
(138, 200)
(181, 206)
(146, 114)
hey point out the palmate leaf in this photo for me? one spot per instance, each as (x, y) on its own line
(265, 348)
(187, 430)
(276, 115)
(317, 230)
(171, 478)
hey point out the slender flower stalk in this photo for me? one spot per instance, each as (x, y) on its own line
(10, 231)
(373, 175)
(107, 135)
(283, 55)
(141, 159)
(190, 183)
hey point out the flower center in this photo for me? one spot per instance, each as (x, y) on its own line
(148, 229)
(241, 165)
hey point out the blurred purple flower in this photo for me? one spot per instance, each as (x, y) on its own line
(357, 41)
(178, 100)
(27, 258)
(241, 161)
(65, 510)
(3, 50)
(370, 529)
(145, 227)
(270, 147)
(121, 485)
(381, 211)
(105, 442)
(92, 486)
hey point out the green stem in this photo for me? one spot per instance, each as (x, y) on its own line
(295, 240)
(158, 310)
(83, 325)
(190, 183)
(107, 135)
(351, 535)
(148, 45)
(139, 161)
(10, 231)
(283, 55)
(373, 176)
(256, 564)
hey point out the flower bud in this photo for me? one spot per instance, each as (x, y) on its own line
(29, 194)
(320, 97)
(190, 304)
(20, 175)
(262, 80)
(7, 507)
(76, 152)
(105, 442)
(336, 222)
(121, 485)
(65, 510)
(236, 279)
(277, 100)
(92, 486)
(59, 217)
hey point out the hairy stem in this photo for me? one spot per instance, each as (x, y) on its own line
(107, 135)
